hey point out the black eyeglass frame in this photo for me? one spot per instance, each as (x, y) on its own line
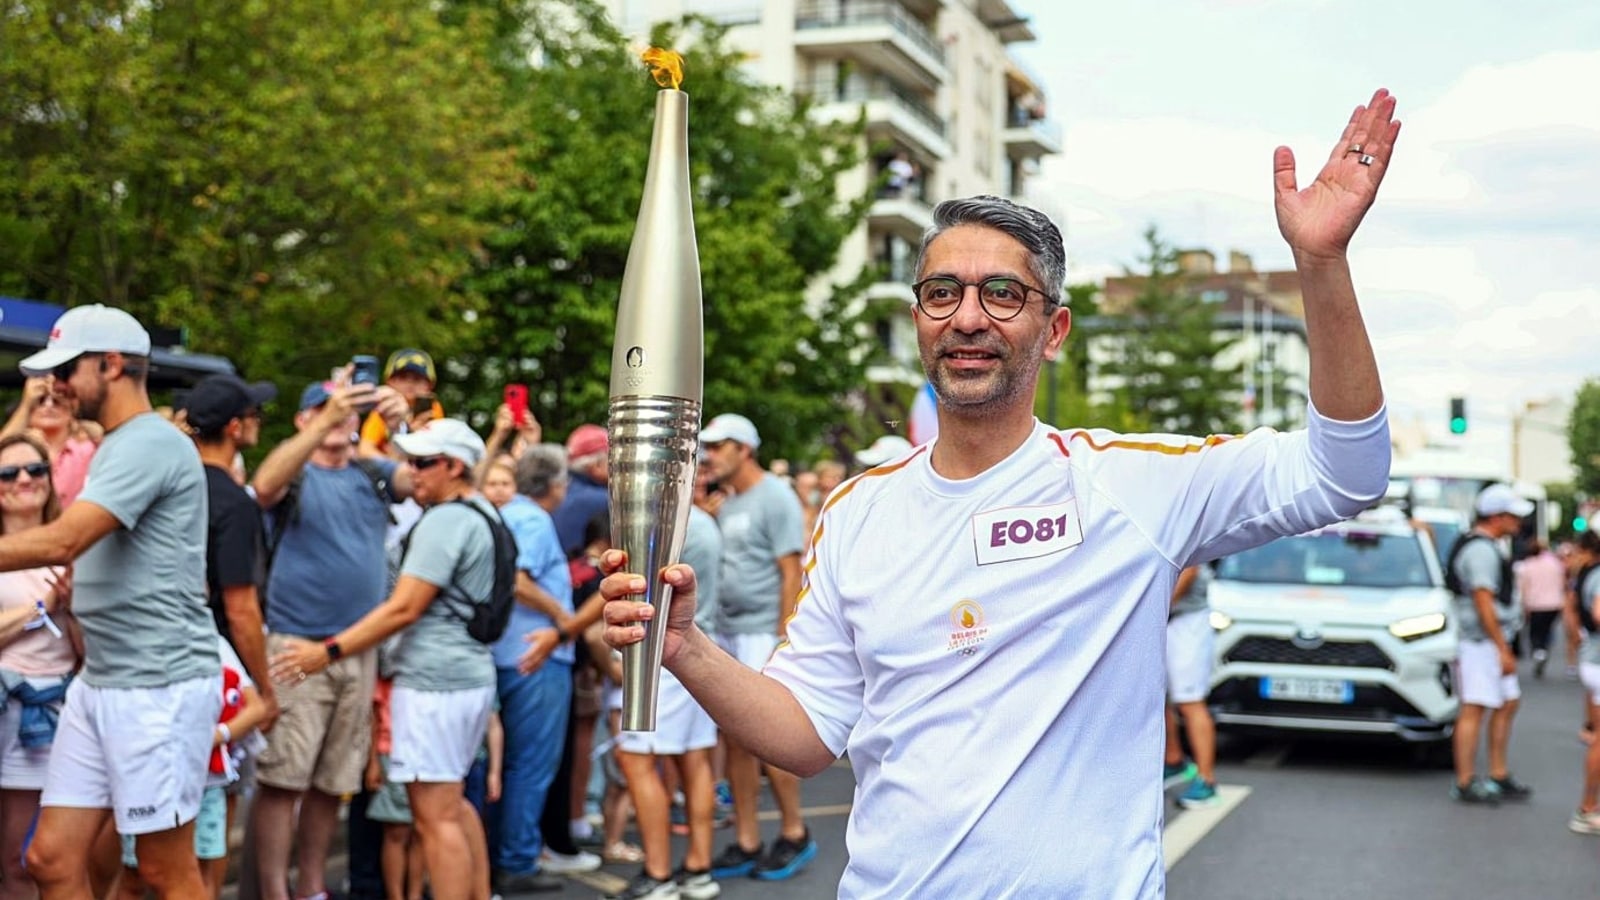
(916, 291)
(38, 471)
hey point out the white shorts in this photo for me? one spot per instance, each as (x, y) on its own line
(1190, 645)
(435, 735)
(1589, 674)
(681, 725)
(23, 768)
(1478, 677)
(143, 753)
(751, 649)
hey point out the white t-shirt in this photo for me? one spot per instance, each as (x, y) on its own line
(990, 651)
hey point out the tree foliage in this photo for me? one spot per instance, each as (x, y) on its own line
(767, 217)
(1064, 399)
(290, 182)
(1162, 355)
(1583, 435)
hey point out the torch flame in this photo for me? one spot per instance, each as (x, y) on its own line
(666, 66)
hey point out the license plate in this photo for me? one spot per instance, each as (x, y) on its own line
(1313, 690)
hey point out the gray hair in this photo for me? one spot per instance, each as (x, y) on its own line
(1047, 258)
(541, 469)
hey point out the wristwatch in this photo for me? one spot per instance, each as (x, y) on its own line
(334, 650)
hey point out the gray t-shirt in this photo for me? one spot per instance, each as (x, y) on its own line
(328, 571)
(1196, 599)
(1479, 567)
(1588, 593)
(450, 547)
(759, 526)
(140, 591)
(702, 552)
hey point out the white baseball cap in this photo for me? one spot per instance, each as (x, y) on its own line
(731, 427)
(443, 437)
(88, 329)
(1500, 498)
(890, 446)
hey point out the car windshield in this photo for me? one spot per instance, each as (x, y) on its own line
(1353, 558)
(1444, 537)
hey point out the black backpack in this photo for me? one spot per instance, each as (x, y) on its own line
(1585, 611)
(1453, 582)
(488, 618)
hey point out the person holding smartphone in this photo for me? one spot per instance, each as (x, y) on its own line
(411, 373)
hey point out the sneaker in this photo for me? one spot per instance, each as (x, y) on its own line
(1541, 658)
(1585, 822)
(643, 887)
(724, 794)
(1475, 791)
(1174, 774)
(735, 861)
(567, 863)
(696, 885)
(787, 857)
(1199, 793)
(1510, 788)
(623, 852)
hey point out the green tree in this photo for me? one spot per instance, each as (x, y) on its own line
(1163, 352)
(1063, 399)
(1583, 435)
(768, 220)
(291, 182)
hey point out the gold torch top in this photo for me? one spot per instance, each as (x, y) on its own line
(666, 67)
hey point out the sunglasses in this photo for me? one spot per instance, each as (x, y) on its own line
(418, 463)
(36, 471)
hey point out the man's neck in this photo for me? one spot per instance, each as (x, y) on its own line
(220, 454)
(748, 476)
(332, 459)
(968, 446)
(122, 402)
(457, 491)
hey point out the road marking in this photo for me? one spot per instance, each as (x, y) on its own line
(1188, 828)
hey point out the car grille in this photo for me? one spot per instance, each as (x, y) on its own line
(1346, 654)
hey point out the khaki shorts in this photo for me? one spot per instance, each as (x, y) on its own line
(325, 729)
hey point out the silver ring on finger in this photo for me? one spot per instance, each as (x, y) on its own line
(1365, 159)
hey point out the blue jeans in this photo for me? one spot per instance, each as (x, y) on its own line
(533, 712)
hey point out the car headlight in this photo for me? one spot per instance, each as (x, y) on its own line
(1418, 626)
(1220, 620)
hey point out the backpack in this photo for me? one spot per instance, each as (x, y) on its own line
(287, 512)
(1453, 581)
(489, 617)
(1585, 609)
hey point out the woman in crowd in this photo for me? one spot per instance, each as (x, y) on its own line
(55, 421)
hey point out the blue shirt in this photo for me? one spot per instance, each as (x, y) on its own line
(538, 554)
(586, 498)
(330, 569)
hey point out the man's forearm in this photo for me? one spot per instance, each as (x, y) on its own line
(243, 611)
(757, 712)
(530, 594)
(1483, 601)
(1344, 372)
(283, 464)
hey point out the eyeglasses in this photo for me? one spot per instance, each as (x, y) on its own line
(50, 400)
(1002, 297)
(425, 462)
(36, 471)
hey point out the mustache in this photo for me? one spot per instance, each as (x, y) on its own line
(991, 345)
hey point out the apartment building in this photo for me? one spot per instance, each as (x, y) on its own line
(949, 110)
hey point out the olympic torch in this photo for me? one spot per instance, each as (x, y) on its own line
(656, 383)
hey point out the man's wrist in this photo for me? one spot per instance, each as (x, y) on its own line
(335, 652)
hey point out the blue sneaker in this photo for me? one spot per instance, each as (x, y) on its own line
(1199, 793)
(787, 857)
(1174, 774)
(735, 861)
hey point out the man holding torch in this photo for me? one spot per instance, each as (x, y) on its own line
(981, 622)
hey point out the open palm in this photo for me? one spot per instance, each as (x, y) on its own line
(1320, 219)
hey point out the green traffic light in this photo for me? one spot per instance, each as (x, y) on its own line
(1580, 524)
(1458, 425)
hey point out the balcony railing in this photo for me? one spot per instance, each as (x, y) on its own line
(829, 90)
(830, 15)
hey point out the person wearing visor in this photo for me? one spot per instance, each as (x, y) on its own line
(411, 373)
(444, 679)
(134, 737)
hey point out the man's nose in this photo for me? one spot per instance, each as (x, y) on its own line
(970, 315)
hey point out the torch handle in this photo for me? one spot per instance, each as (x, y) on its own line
(652, 459)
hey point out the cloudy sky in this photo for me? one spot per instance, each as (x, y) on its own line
(1479, 267)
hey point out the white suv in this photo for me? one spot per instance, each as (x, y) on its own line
(1345, 629)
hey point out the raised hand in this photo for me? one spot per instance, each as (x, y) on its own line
(1319, 220)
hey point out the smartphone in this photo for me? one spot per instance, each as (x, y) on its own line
(364, 370)
(517, 399)
(422, 403)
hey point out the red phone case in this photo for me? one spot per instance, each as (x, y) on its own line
(517, 399)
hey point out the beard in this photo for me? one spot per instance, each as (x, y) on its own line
(1016, 374)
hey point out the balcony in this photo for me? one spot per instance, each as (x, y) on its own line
(893, 114)
(880, 37)
(1026, 137)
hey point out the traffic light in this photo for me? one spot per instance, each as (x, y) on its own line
(1458, 415)
(1580, 524)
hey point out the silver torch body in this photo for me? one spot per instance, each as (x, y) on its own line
(657, 363)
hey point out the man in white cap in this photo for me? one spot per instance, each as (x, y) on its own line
(886, 449)
(444, 681)
(135, 734)
(1481, 578)
(762, 538)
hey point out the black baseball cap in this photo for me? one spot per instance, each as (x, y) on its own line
(218, 399)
